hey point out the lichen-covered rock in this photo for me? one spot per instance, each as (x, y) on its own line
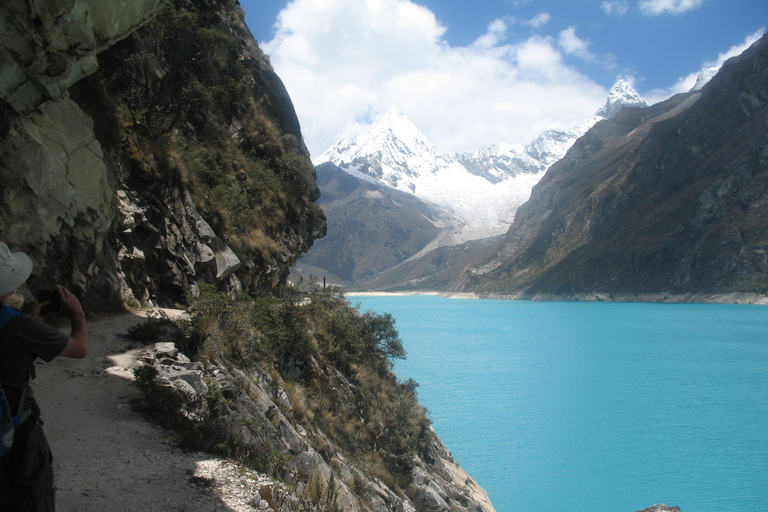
(55, 178)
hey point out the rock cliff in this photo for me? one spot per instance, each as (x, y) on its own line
(259, 412)
(146, 148)
(666, 202)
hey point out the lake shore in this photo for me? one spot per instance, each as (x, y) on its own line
(450, 295)
(689, 298)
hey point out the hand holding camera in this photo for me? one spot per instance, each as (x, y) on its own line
(50, 300)
(57, 300)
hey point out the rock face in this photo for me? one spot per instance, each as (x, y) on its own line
(251, 411)
(48, 46)
(56, 199)
(666, 201)
(660, 508)
(131, 174)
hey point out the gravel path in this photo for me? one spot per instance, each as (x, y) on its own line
(108, 458)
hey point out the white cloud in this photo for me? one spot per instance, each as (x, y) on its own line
(654, 7)
(346, 61)
(572, 45)
(686, 83)
(539, 20)
(497, 32)
(617, 7)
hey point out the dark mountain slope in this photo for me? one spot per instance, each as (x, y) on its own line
(431, 270)
(671, 199)
(371, 228)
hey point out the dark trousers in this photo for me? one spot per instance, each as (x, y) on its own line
(26, 473)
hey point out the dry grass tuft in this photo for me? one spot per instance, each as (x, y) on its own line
(299, 409)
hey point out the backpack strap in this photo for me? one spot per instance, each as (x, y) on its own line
(21, 414)
(6, 313)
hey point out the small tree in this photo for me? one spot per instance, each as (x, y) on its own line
(383, 337)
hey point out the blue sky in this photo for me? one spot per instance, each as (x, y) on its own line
(469, 74)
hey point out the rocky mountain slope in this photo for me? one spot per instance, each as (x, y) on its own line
(472, 198)
(339, 434)
(146, 149)
(383, 226)
(667, 201)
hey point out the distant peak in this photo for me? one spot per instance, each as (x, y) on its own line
(395, 122)
(623, 86)
(393, 116)
(392, 140)
(393, 112)
(622, 95)
(704, 77)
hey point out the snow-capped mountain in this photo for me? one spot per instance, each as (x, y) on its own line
(483, 188)
(704, 77)
(622, 95)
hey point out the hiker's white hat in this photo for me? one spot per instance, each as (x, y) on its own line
(15, 269)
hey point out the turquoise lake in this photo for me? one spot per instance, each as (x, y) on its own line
(590, 407)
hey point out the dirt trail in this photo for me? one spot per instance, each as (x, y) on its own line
(107, 458)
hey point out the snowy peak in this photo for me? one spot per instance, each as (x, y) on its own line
(394, 120)
(392, 147)
(704, 77)
(483, 188)
(396, 133)
(498, 162)
(622, 95)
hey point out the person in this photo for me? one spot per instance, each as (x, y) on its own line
(26, 471)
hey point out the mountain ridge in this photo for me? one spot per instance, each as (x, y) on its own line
(662, 201)
(477, 194)
(481, 188)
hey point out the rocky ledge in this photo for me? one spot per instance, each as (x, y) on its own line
(249, 413)
(660, 508)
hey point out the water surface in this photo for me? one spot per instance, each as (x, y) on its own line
(569, 407)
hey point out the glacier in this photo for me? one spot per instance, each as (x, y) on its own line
(481, 189)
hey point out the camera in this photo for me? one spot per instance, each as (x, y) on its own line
(54, 306)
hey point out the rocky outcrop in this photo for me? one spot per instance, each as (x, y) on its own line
(666, 202)
(46, 47)
(660, 508)
(56, 198)
(251, 412)
(102, 197)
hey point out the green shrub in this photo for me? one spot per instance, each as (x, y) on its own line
(226, 328)
(366, 413)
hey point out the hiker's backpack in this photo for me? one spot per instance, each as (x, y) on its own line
(9, 423)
